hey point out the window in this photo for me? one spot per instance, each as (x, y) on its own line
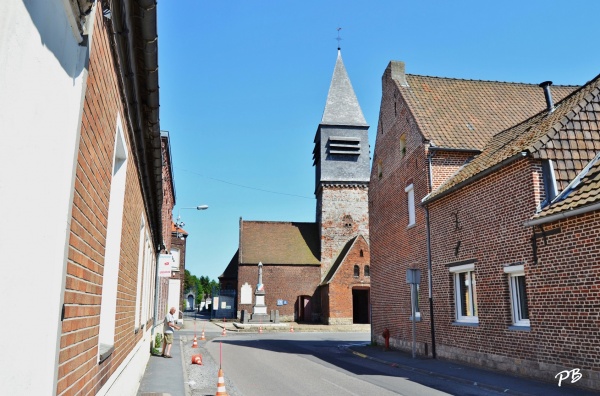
(356, 271)
(367, 270)
(379, 170)
(402, 146)
(518, 295)
(110, 276)
(138, 294)
(410, 198)
(465, 293)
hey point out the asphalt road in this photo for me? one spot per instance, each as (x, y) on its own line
(317, 364)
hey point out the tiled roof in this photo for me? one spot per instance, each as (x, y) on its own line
(342, 107)
(174, 228)
(571, 130)
(585, 191)
(279, 243)
(465, 114)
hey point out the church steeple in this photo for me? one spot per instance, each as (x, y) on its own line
(342, 169)
(342, 107)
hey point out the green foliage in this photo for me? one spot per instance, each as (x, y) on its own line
(158, 341)
(203, 285)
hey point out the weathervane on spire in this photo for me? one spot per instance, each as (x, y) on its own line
(339, 38)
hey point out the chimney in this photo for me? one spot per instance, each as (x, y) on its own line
(396, 69)
(546, 86)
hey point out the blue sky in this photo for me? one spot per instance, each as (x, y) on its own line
(243, 88)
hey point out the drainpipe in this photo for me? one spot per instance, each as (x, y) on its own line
(429, 266)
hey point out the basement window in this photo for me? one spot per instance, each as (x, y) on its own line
(341, 145)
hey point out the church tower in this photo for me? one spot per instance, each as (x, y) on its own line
(341, 160)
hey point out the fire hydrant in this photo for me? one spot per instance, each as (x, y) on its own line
(386, 336)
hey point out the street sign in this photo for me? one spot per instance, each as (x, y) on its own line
(165, 264)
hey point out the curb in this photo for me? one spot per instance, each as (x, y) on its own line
(440, 375)
(186, 384)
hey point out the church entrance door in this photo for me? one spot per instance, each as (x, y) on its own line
(360, 305)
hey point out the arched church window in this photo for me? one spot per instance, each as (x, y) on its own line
(356, 271)
(367, 270)
(361, 253)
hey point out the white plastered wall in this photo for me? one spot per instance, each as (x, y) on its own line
(42, 78)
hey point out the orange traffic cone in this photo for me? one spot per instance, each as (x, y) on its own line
(195, 343)
(221, 385)
(202, 338)
(197, 359)
(292, 329)
(224, 332)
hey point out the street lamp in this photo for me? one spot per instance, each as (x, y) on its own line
(180, 224)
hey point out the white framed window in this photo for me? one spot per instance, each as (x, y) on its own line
(410, 199)
(518, 295)
(114, 229)
(465, 293)
(138, 294)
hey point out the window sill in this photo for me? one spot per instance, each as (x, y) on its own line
(417, 320)
(519, 328)
(468, 324)
(105, 351)
(413, 225)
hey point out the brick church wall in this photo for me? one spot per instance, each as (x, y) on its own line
(285, 282)
(338, 302)
(338, 202)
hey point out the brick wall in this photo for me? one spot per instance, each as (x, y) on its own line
(564, 296)
(180, 244)
(79, 371)
(400, 159)
(561, 293)
(337, 203)
(286, 282)
(337, 296)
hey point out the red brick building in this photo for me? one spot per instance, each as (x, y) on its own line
(509, 195)
(312, 265)
(428, 127)
(515, 270)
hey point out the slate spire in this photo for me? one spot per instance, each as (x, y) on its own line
(342, 107)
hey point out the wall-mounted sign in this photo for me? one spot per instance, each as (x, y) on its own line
(165, 263)
(282, 302)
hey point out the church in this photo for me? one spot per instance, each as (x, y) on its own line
(317, 272)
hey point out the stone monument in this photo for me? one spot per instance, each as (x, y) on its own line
(259, 311)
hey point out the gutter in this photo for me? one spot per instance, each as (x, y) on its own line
(562, 215)
(429, 263)
(142, 110)
(426, 201)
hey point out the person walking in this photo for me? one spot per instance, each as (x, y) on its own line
(169, 328)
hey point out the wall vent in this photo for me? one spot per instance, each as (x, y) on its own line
(343, 145)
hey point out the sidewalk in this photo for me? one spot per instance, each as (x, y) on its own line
(485, 379)
(164, 376)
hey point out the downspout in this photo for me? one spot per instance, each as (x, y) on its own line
(429, 266)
